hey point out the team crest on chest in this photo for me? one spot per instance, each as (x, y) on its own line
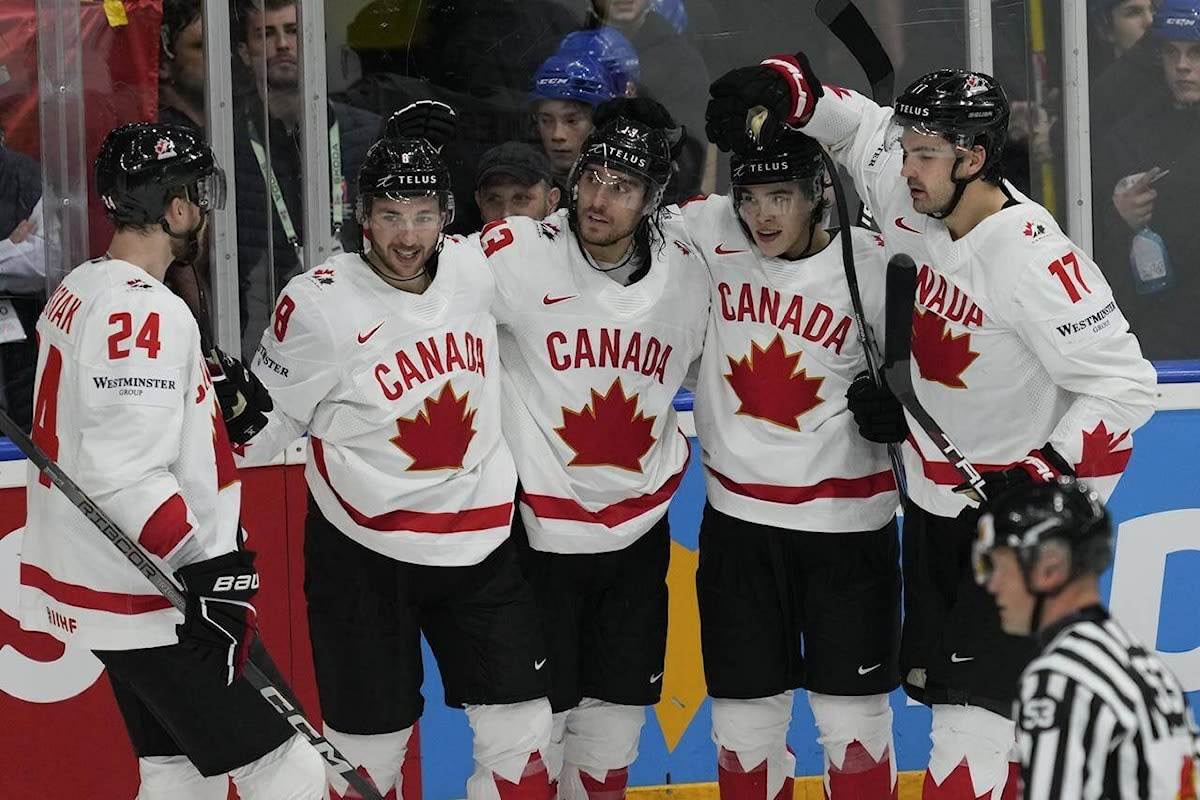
(770, 386)
(437, 437)
(942, 355)
(609, 431)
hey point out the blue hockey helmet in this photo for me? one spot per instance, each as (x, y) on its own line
(672, 11)
(610, 47)
(572, 76)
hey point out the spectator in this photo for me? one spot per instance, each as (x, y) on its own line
(567, 88)
(181, 65)
(22, 279)
(1114, 27)
(674, 74)
(1148, 184)
(1132, 78)
(267, 149)
(514, 180)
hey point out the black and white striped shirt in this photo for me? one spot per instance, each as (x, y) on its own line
(1100, 717)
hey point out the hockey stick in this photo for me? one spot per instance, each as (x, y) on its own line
(847, 23)
(901, 297)
(865, 337)
(334, 760)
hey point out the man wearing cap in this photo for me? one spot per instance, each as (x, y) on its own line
(514, 179)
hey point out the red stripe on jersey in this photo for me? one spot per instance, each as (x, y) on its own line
(468, 520)
(166, 527)
(866, 486)
(943, 473)
(546, 507)
(83, 597)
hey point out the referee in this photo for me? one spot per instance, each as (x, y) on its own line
(1098, 715)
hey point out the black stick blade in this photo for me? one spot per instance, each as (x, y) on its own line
(900, 297)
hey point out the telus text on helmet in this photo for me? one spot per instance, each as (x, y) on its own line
(912, 111)
(409, 180)
(623, 155)
(774, 166)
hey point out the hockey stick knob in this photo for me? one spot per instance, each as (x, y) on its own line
(756, 118)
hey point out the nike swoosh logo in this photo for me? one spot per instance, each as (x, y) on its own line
(955, 659)
(548, 300)
(362, 337)
(654, 678)
(537, 665)
(865, 670)
(902, 225)
(721, 251)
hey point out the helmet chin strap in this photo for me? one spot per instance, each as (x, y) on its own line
(960, 186)
(191, 237)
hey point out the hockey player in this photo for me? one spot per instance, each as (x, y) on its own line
(601, 308)
(1018, 351)
(126, 407)
(388, 358)
(1098, 715)
(798, 540)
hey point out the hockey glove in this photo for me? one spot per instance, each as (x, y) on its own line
(219, 621)
(244, 401)
(1040, 466)
(879, 415)
(431, 120)
(784, 85)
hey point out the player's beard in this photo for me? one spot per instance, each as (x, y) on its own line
(611, 238)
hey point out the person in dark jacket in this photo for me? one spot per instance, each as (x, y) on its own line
(674, 74)
(1146, 188)
(267, 151)
(22, 279)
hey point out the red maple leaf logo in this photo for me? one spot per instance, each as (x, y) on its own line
(1100, 454)
(941, 356)
(437, 437)
(770, 386)
(609, 431)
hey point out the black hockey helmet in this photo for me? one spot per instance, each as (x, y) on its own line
(142, 166)
(402, 169)
(966, 108)
(792, 156)
(1027, 517)
(631, 146)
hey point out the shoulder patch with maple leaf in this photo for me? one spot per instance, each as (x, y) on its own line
(941, 356)
(609, 431)
(1101, 454)
(437, 437)
(770, 386)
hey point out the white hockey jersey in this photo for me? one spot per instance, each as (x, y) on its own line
(779, 445)
(400, 394)
(591, 369)
(124, 404)
(1017, 340)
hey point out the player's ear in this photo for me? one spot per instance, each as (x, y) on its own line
(1053, 567)
(552, 198)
